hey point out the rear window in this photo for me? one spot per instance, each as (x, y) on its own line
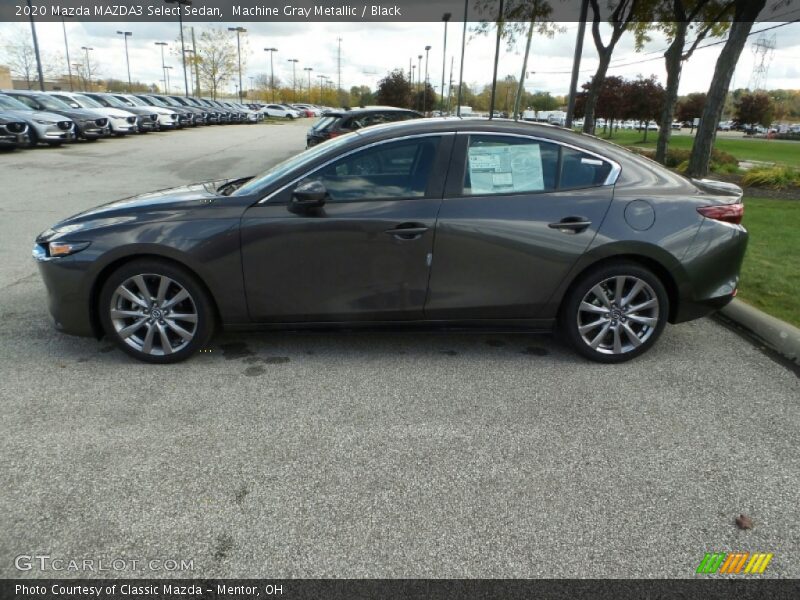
(323, 123)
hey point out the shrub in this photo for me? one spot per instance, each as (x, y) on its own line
(777, 178)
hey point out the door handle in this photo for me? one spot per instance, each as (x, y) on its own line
(407, 232)
(571, 224)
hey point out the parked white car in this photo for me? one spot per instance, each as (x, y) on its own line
(167, 118)
(121, 121)
(309, 107)
(280, 111)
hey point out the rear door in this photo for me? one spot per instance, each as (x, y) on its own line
(517, 213)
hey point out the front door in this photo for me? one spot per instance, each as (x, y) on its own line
(365, 254)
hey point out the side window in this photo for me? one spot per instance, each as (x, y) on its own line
(508, 165)
(394, 170)
(580, 170)
(28, 101)
(68, 100)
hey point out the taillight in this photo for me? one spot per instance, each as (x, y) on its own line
(729, 213)
(333, 134)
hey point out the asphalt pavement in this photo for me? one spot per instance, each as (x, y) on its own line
(367, 454)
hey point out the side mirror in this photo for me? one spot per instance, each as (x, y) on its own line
(308, 195)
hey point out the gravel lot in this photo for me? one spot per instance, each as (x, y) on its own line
(369, 454)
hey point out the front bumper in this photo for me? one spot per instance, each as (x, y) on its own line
(54, 132)
(68, 296)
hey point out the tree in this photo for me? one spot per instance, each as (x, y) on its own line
(542, 101)
(754, 109)
(425, 99)
(675, 18)
(644, 99)
(394, 90)
(691, 107)
(361, 95)
(217, 59)
(21, 57)
(625, 14)
(745, 13)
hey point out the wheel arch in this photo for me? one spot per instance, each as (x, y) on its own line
(106, 271)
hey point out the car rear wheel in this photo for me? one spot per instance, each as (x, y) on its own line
(156, 311)
(615, 313)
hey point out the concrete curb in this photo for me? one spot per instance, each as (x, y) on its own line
(774, 333)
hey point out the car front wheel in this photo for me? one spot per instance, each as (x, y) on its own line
(156, 311)
(615, 313)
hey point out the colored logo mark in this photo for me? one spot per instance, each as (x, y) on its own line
(734, 562)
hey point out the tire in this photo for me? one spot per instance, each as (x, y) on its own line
(129, 324)
(604, 328)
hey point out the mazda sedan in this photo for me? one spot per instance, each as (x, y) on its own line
(426, 223)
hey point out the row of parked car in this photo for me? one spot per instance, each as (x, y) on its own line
(30, 118)
(290, 111)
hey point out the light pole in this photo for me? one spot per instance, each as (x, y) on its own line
(239, 30)
(66, 47)
(500, 21)
(36, 47)
(88, 78)
(181, 4)
(294, 62)
(308, 70)
(463, 47)
(419, 71)
(576, 64)
(271, 71)
(193, 62)
(321, 79)
(163, 65)
(446, 19)
(252, 89)
(126, 35)
(167, 69)
(425, 84)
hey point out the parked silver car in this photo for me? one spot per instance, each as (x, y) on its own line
(45, 127)
(13, 132)
(120, 121)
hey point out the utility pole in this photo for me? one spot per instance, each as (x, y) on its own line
(238, 31)
(576, 64)
(166, 74)
(36, 47)
(126, 35)
(163, 64)
(88, 77)
(446, 19)
(66, 47)
(339, 70)
(271, 71)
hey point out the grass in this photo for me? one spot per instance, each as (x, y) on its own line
(778, 151)
(770, 278)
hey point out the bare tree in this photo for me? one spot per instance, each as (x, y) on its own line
(217, 59)
(20, 55)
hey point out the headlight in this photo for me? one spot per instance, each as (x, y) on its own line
(56, 249)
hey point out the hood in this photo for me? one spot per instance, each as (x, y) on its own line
(168, 200)
(35, 115)
(82, 114)
(115, 112)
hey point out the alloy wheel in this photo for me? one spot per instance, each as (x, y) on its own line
(618, 315)
(153, 314)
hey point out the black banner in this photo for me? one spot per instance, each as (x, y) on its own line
(243, 11)
(398, 589)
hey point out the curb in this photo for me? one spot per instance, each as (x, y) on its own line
(778, 335)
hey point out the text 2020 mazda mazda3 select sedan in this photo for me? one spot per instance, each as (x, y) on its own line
(423, 223)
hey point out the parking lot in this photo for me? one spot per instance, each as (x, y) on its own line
(368, 454)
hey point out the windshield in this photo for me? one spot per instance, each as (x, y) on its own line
(168, 101)
(87, 102)
(51, 103)
(272, 175)
(13, 103)
(115, 102)
(131, 100)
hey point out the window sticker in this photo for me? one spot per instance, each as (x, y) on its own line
(504, 169)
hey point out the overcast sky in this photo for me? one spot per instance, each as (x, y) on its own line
(369, 51)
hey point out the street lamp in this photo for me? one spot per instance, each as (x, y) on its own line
(461, 69)
(88, 78)
(271, 71)
(239, 30)
(192, 53)
(419, 71)
(294, 62)
(36, 47)
(163, 66)
(125, 35)
(66, 47)
(425, 85)
(321, 79)
(446, 19)
(167, 69)
(308, 70)
(180, 4)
